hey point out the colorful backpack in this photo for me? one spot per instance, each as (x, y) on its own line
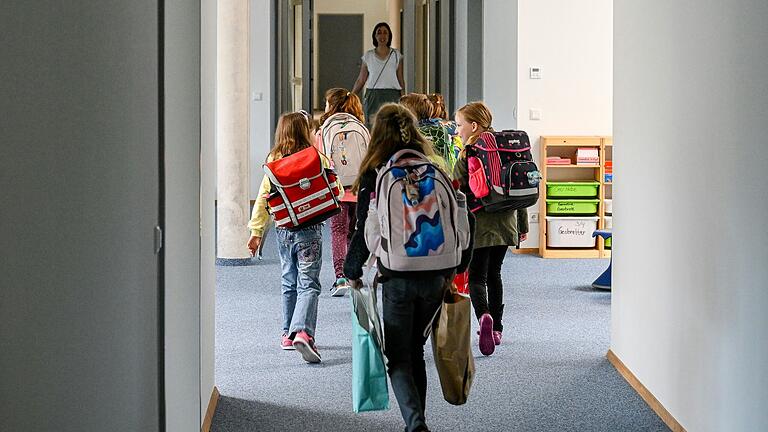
(417, 220)
(303, 192)
(434, 131)
(502, 174)
(345, 141)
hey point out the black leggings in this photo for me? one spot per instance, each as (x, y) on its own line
(485, 287)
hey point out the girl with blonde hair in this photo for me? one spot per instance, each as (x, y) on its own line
(495, 232)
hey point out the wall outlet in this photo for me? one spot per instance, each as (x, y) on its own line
(535, 114)
(533, 217)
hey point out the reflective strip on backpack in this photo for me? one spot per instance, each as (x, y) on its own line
(306, 198)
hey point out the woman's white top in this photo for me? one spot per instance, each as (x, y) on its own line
(388, 79)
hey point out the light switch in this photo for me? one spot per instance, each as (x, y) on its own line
(257, 96)
(535, 114)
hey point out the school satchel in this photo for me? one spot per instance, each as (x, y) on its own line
(452, 348)
(417, 221)
(502, 174)
(345, 142)
(303, 192)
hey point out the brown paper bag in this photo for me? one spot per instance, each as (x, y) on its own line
(451, 347)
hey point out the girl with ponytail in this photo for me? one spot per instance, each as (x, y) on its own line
(495, 232)
(341, 105)
(410, 298)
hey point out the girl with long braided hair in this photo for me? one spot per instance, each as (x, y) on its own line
(410, 299)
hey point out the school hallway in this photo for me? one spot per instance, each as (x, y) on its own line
(550, 373)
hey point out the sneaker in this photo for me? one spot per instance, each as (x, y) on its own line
(305, 345)
(286, 343)
(487, 345)
(340, 287)
(497, 337)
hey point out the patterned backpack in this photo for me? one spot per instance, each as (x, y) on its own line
(502, 174)
(434, 131)
(417, 220)
(345, 141)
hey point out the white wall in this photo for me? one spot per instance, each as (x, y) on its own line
(572, 44)
(690, 259)
(207, 200)
(261, 82)
(500, 64)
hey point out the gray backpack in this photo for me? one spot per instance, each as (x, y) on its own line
(417, 220)
(345, 141)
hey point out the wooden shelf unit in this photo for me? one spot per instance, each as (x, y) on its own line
(566, 146)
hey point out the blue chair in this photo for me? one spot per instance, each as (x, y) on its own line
(604, 280)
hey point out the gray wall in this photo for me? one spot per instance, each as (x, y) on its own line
(690, 287)
(79, 175)
(80, 323)
(184, 396)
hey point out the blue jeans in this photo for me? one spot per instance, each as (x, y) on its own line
(301, 255)
(409, 306)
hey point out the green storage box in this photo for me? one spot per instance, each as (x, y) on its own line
(584, 189)
(572, 207)
(608, 242)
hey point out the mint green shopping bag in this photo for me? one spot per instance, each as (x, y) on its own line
(369, 374)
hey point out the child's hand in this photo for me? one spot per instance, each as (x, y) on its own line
(523, 237)
(253, 244)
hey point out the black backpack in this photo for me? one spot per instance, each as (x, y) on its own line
(502, 174)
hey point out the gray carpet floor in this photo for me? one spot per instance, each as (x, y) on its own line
(549, 374)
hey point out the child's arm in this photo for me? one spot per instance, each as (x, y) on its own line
(358, 251)
(259, 215)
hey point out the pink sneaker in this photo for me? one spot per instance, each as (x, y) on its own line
(286, 343)
(305, 345)
(487, 345)
(497, 337)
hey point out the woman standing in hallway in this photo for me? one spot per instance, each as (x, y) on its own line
(495, 232)
(300, 251)
(381, 73)
(410, 299)
(344, 107)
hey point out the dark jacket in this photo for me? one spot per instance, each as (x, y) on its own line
(358, 252)
(492, 229)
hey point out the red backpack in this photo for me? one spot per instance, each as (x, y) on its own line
(303, 192)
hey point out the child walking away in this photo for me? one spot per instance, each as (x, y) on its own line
(344, 139)
(495, 232)
(294, 169)
(426, 240)
(441, 114)
(431, 128)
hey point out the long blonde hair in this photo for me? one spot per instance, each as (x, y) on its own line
(394, 130)
(291, 135)
(477, 112)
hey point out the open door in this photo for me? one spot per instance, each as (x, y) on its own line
(294, 74)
